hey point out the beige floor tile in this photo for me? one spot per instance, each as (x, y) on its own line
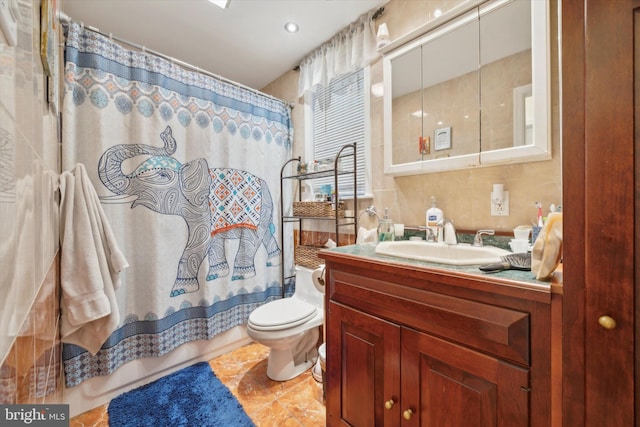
(97, 417)
(294, 403)
(275, 415)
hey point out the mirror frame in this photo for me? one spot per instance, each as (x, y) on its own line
(473, 9)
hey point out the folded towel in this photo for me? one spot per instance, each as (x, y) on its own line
(367, 236)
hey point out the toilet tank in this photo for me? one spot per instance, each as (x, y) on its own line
(305, 288)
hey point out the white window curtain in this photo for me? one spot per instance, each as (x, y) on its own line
(351, 49)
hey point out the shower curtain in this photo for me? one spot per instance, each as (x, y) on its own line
(187, 170)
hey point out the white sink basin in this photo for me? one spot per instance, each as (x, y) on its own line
(460, 254)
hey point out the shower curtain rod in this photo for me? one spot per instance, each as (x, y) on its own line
(64, 18)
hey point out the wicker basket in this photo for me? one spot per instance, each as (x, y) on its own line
(307, 256)
(317, 209)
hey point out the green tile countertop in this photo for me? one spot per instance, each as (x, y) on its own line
(368, 250)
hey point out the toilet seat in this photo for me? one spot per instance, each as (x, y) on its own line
(281, 314)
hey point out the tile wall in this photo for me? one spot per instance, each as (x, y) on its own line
(30, 365)
(463, 195)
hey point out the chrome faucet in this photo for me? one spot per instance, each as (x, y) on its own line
(477, 241)
(450, 237)
(371, 211)
(430, 235)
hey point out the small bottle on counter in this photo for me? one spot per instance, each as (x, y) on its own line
(435, 215)
(386, 231)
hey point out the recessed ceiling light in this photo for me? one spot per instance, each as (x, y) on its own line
(291, 27)
(221, 3)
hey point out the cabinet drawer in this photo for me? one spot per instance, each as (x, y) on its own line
(496, 330)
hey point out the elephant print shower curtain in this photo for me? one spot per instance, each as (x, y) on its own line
(187, 168)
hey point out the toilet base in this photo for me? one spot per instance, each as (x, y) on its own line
(317, 372)
(288, 363)
(321, 365)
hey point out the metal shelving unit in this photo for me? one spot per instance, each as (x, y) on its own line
(347, 152)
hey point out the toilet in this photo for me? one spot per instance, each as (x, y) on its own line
(290, 327)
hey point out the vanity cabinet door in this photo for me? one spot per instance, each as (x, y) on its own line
(363, 386)
(444, 384)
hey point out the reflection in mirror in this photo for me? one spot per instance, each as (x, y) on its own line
(522, 116)
(435, 99)
(505, 74)
(450, 97)
(533, 99)
(485, 90)
(407, 106)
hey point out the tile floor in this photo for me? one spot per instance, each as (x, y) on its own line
(294, 403)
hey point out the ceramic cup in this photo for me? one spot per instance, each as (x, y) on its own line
(398, 229)
(521, 232)
(519, 246)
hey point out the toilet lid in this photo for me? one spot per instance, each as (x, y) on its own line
(281, 314)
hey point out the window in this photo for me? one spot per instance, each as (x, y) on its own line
(338, 114)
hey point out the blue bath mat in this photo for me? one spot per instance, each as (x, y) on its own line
(190, 397)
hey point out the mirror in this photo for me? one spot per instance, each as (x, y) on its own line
(471, 91)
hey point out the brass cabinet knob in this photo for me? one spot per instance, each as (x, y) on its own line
(407, 414)
(389, 404)
(607, 322)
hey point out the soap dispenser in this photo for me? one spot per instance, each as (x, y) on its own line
(434, 216)
(386, 230)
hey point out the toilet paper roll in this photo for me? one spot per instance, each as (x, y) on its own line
(317, 277)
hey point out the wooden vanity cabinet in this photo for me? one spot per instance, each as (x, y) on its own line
(409, 346)
(369, 372)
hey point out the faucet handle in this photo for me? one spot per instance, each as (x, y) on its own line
(430, 235)
(477, 241)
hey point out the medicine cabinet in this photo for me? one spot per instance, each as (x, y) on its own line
(469, 89)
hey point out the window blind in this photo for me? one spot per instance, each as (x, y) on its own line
(338, 118)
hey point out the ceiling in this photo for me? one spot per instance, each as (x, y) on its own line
(245, 43)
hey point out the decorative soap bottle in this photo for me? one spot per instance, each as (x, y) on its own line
(434, 216)
(386, 230)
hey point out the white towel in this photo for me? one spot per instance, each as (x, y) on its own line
(90, 264)
(546, 254)
(367, 236)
